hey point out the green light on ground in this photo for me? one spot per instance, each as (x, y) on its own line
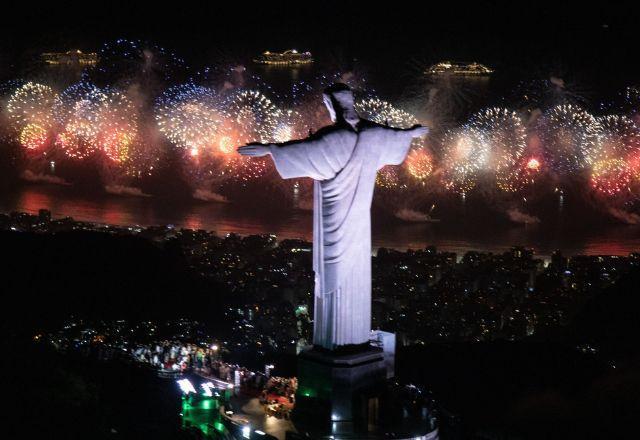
(307, 392)
(201, 413)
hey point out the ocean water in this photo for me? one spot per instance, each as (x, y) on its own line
(452, 233)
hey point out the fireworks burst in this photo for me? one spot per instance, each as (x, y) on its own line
(241, 169)
(384, 113)
(207, 126)
(505, 133)
(189, 118)
(619, 136)
(118, 126)
(523, 174)
(76, 111)
(142, 159)
(388, 177)
(30, 114)
(33, 136)
(81, 100)
(466, 152)
(419, 163)
(569, 138)
(291, 126)
(533, 164)
(254, 116)
(619, 142)
(506, 137)
(611, 176)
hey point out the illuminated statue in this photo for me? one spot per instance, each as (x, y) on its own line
(343, 160)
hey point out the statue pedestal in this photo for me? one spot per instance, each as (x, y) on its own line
(337, 391)
(346, 395)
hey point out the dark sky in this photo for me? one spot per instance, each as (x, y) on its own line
(600, 40)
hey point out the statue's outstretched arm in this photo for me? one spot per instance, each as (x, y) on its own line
(255, 149)
(293, 159)
(415, 131)
(398, 144)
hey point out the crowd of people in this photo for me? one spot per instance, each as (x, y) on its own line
(174, 356)
(278, 396)
(179, 357)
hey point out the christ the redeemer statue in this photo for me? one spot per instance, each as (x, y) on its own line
(343, 160)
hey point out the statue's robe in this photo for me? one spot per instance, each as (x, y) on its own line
(343, 162)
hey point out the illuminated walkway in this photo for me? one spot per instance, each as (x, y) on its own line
(250, 410)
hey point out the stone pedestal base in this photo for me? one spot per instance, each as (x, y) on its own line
(334, 389)
(347, 396)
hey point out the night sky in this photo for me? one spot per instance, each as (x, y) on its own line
(595, 44)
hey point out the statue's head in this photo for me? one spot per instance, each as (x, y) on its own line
(338, 98)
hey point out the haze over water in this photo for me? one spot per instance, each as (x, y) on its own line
(450, 234)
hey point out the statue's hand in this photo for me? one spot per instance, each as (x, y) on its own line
(255, 150)
(419, 130)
